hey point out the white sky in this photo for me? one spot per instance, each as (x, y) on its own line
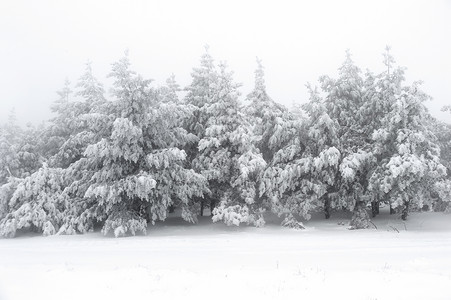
(43, 42)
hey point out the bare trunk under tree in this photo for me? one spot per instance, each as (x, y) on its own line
(375, 208)
(327, 207)
(405, 210)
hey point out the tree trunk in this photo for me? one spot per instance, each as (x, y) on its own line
(360, 218)
(405, 210)
(377, 206)
(327, 207)
(202, 203)
(374, 208)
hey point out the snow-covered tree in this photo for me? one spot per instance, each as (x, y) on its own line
(379, 95)
(265, 115)
(442, 131)
(323, 146)
(200, 94)
(91, 90)
(227, 157)
(301, 174)
(36, 203)
(409, 164)
(345, 102)
(10, 134)
(19, 158)
(29, 151)
(86, 122)
(61, 126)
(168, 93)
(343, 99)
(137, 171)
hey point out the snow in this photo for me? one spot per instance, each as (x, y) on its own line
(211, 261)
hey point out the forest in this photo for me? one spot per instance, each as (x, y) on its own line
(122, 160)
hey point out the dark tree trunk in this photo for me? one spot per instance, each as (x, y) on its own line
(377, 206)
(327, 207)
(171, 209)
(202, 203)
(405, 210)
(374, 208)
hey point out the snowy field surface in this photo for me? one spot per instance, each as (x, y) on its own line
(211, 261)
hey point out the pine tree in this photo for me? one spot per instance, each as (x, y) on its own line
(265, 115)
(301, 174)
(91, 90)
(29, 151)
(200, 94)
(168, 93)
(408, 155)
(227, 157)
(86, 121)
(344, 101)
(10, 134)
(61, 126)
(19, 157)
(36, 203)
(137, 171)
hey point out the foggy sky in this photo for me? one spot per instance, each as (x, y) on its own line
(44, 42)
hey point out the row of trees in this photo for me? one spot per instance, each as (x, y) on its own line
(120, 164)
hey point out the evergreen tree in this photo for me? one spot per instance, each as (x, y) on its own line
(200, 94)
(19, 158)
(410, 163)
(344, 101)
(10, 134)
(36, 203)
(299, 178)
(168, 93)
(137, 172)
(227, 157)
(61, 126)
(87, 122)
(265, 115)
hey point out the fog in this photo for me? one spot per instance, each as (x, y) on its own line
(45, 42)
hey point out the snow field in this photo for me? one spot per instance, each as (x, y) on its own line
(211, 261)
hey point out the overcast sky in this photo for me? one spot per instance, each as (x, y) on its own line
(44, 42)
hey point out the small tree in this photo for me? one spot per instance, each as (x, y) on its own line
(265, 115)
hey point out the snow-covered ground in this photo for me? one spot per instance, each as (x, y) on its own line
(211, 261)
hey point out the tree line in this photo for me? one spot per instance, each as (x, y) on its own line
(122, 162)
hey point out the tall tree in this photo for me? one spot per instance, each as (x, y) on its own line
(344, 100)
(299, 178)
(227, 157)
(200, 94)
(137, 171)
(409, 157)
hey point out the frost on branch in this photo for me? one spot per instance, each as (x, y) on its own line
(291, 222)
(36, 203)
(236, 214)
(123, 222)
